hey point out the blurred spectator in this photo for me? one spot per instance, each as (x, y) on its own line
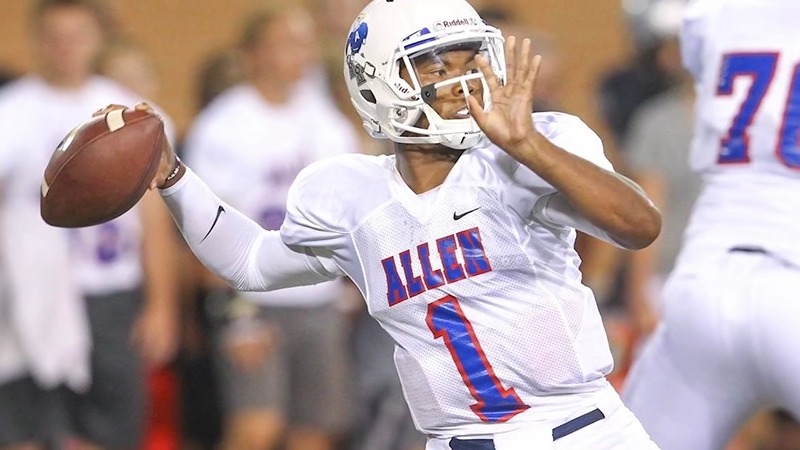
(124, 61)
(249, 143)
(333, 18)
(77, 342)
(654, 67)
(5, 77)
(657, 153)
(200, 403)
(222, 70)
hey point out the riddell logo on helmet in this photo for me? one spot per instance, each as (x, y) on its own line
(455, 23)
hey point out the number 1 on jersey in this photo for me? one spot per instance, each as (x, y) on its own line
(495, 403)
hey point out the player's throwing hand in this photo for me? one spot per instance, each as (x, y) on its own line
(508, 121)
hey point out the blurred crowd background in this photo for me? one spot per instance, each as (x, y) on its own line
(244, 83)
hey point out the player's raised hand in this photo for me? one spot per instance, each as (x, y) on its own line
(508, 121)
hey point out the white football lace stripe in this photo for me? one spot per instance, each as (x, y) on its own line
(114, 120)
(45, 188)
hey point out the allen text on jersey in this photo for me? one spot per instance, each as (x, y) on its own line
(411, 284)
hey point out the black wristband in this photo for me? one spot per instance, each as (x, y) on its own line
(173, 177)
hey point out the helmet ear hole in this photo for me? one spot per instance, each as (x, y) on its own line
(368, 96)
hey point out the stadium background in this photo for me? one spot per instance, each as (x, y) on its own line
(591, 37)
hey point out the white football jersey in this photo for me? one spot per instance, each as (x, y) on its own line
(484, 302)
(747, 131)
(34, 118)
(249, 152)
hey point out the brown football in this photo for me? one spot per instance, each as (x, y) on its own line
(102, 168)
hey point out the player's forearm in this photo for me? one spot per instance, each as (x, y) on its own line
(608, 200)
(223, 239)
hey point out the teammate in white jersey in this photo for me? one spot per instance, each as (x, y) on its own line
(727, 343)
(461, 243)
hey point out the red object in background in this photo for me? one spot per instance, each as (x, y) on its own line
(163, 427)
(623, 342)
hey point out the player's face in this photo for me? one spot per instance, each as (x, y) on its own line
(68, 40)
(451, 100)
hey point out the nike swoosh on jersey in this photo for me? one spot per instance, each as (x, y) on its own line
(220, 210)
(457, 216)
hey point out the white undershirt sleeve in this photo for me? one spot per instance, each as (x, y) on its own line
(234, 247)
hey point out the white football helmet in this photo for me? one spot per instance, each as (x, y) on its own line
(391, 33)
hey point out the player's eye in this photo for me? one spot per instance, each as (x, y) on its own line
(437, 70)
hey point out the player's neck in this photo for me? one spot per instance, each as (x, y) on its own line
(425, 167)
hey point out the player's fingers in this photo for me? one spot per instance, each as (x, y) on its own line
(530, 78)
(488, 73)
(144, 106)
(523, 63)
(511, 59)
(476, 111)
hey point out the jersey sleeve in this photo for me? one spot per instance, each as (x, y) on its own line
(312, 216)
(327, 202)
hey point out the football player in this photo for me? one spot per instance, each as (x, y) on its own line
(461, 242)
